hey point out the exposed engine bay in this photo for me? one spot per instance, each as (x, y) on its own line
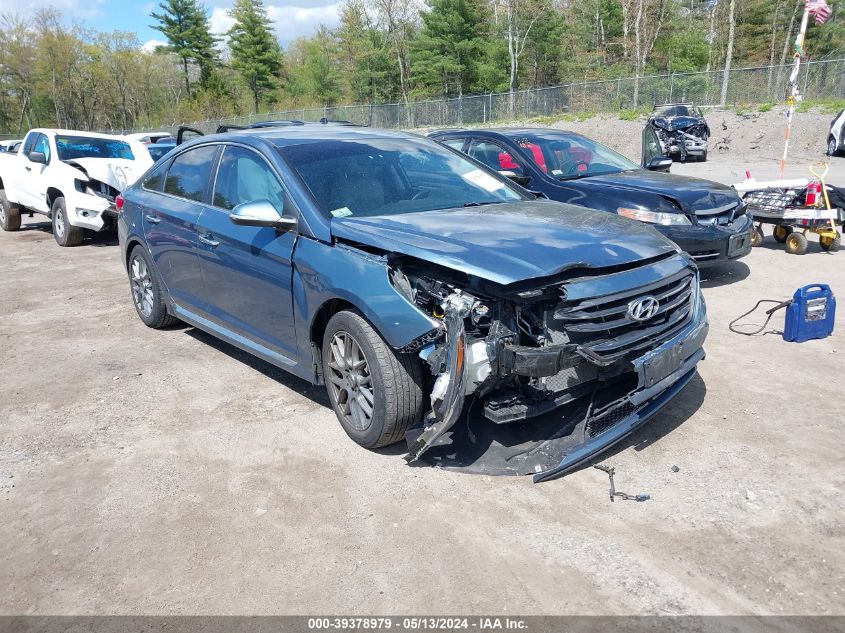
(681, 130)
(523, 375)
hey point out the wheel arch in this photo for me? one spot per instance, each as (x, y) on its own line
(52, 194)
(322, 317)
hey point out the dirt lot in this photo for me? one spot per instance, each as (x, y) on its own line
(162, 472)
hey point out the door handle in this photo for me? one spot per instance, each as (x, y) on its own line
(209, 242)
(28, 168)
(152, 219)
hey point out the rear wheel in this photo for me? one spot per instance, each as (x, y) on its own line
(757, 236)
(375, 391)
(781, 232)
(796, 244)
(10, 214)
(147, 291)
(831, 243)
(63, 232)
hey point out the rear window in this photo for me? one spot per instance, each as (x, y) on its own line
(190, 173)
(73, 147)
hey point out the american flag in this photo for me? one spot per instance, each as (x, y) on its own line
(819, 9)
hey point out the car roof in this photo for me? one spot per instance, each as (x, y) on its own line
(301, 134)
(62, 132)
(507, 132)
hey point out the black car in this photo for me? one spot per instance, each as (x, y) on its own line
(706, 219)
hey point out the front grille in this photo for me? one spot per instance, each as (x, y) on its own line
(720, 216)
(604, 326)
(606, 420)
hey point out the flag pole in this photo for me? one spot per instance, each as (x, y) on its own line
(794, 94)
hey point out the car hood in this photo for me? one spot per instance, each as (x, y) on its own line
(116, 172)
(509, 243)
(691, 194)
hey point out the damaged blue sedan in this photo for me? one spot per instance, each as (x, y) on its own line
(438, 302)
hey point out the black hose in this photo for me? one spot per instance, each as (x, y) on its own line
(778, 306)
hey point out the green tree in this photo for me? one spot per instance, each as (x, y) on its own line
(255, 50)
(446, 52)
(185, 24)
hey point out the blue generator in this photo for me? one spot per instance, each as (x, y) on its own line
(811, 314)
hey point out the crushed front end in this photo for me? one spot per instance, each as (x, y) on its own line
(537, 378)
(682, 136)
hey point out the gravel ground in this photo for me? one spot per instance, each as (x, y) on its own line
(162, 472)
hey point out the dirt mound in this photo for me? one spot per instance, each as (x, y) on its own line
(755, 135)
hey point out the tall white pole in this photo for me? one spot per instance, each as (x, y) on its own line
(794, 95)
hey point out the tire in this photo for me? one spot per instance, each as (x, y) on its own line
(831, 244)
(781, 232)
(395, 382)
(757, 236)
(796, 244)
(832, 146)
(63, 232)
(10, 214)
(147, 291)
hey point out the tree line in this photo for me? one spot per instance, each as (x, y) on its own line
(55, 74)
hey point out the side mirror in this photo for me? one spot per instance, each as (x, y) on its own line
(659, 163)
(520, 179)
(38, 157)
(261, 213)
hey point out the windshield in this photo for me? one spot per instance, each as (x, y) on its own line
(375, 176)
(73, 147)
(567, 156)
(676, 110)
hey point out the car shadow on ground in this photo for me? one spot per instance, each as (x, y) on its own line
(316, 394)
(108, 238)
(724, 274)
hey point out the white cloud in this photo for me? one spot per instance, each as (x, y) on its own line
(79, 9)
(150, 45)
(291, 21)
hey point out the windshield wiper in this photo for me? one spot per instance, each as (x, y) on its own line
(481, 204)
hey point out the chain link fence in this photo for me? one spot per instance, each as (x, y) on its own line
(746, 86)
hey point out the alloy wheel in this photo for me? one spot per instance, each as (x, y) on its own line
(831, 147)
(2, 212)
(350, 381)
(142, 286)
(59, 224)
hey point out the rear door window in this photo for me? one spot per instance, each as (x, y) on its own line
(190, 173)
(454, 143)
(244, 176)
(492, 155)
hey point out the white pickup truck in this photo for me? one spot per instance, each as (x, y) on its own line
(72, 177)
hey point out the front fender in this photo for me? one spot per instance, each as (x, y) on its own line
(323, 273)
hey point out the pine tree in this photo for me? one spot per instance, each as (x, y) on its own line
(185, 24)
(447, 49)
(255, 50)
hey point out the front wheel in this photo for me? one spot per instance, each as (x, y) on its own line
(831, 146)
(63, 232)
(796, 244)
(147, 291)
(10, 215)
(375, 391)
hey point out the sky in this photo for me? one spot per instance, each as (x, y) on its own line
(293, 18)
